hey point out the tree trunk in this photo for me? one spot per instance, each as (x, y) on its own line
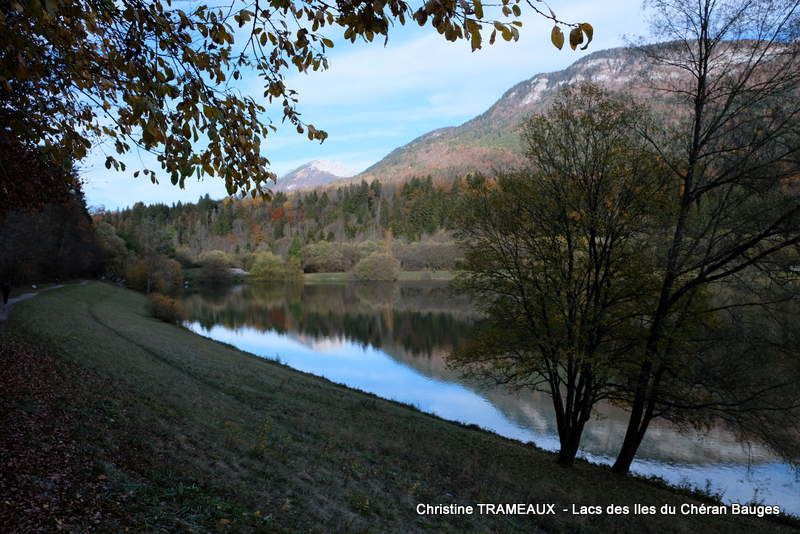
(569, 447)
(569, 435)
(641, 415)
(630, 445)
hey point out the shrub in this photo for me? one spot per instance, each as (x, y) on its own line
(248, 260)
(377, 266)
(427, 255)
(215, 256)
(350, 255)
(158, 273)
(165, 308)
(323, 257)
(270, 266)
(215, 267)
(185, 257)
(168, 276)
(365, 248)
(137, 275)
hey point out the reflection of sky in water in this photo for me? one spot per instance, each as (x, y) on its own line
(370, 369)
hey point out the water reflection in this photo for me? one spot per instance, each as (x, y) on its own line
(392, 340)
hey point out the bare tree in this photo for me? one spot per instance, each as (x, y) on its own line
(553, 257)
(731, 143)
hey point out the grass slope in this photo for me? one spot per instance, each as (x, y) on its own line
(179, 433)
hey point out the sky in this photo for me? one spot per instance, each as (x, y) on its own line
(375, 98)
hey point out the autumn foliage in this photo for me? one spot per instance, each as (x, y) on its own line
(165, 308)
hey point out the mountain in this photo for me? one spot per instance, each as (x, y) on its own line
(311, 175)
(492, 138)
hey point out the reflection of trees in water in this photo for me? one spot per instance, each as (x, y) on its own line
(418, 319)
(419, 325)
(603, 434)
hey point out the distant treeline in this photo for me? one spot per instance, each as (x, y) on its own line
(411, 221)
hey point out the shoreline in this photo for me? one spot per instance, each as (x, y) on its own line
(395, 439)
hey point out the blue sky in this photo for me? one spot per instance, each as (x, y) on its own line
(374, 98)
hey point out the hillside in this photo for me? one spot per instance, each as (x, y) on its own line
(491, 139)
(316, 202)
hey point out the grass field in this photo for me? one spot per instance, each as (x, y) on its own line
(152, 428)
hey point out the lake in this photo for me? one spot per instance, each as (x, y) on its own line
(392, 340)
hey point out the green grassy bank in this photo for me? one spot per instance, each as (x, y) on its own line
(113, 420)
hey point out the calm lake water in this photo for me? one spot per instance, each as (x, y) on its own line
(392, 340)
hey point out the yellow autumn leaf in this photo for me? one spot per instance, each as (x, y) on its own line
(557, 37)
(587, 29)
(575, 37)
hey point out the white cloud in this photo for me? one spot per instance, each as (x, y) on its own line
(427, 63)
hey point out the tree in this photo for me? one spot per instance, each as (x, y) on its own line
(116, 252)
(152, 239)
(552, 257)
(732, 144)
(155, 273)
(19, 161)
(154, 76)
(54, 241)
(296, 248)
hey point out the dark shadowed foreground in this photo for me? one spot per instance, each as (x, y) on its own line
(111, 419)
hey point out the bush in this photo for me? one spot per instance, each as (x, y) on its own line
(377, 266)
(168, 277)
(216, 267)
(427, 255)
(248, 260)
(215, 256)
(350, 255)
(158, 273)
(323, 257)
(365, 248)
(137, 275)
(184, 256)
(269, 266)
(165, 308)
